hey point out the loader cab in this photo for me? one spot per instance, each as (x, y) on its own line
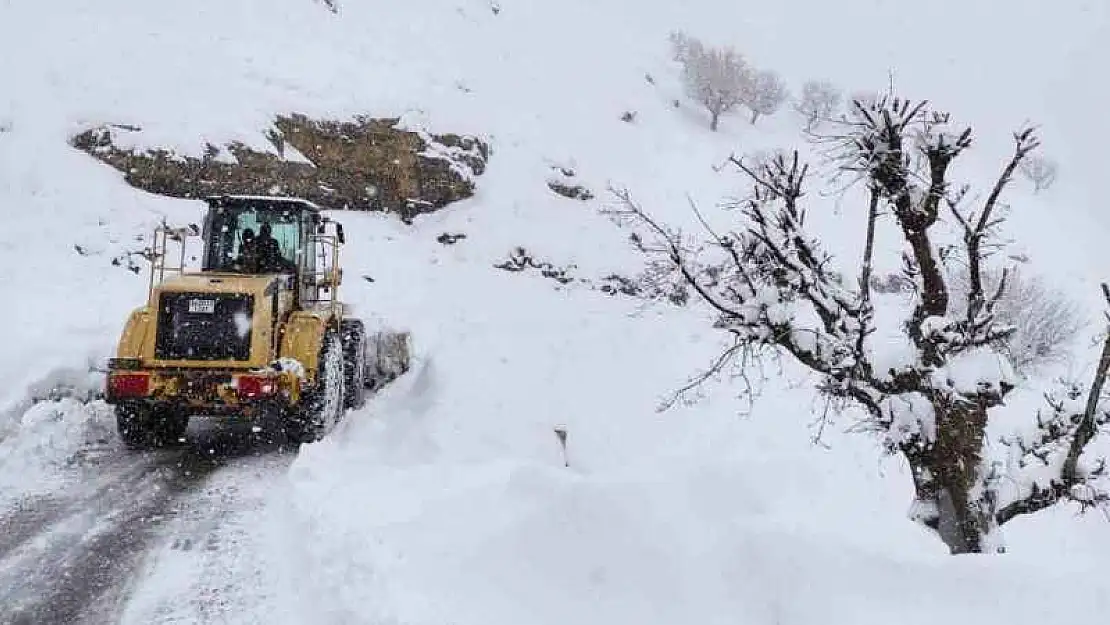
(305, 249)
(233, 220)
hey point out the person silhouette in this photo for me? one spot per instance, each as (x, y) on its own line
(270, 258)
(248, 252)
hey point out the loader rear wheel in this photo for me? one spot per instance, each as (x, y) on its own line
(323, 405)
(354, 362)
(144, 427)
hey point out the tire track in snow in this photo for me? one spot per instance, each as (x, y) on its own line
(71, 558)
(218, 561)
(25, 520)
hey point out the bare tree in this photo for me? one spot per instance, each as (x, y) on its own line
(771, 283)
(715, 77)
(1045, 319)
(819, 101)
(765, 92)
(1039, 170)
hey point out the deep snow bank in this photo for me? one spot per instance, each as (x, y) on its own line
(45, 431)
(447, 498)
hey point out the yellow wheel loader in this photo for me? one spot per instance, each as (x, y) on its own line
(257, 333)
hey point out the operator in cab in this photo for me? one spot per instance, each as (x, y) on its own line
(262, 254)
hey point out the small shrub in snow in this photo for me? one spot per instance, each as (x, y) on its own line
(1041, 171)
(819, 101)
(614, 284)
(718, 78)
(648, 286)
(891, 283)
(1044, 319)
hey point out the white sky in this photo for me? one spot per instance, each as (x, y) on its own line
(994, 63)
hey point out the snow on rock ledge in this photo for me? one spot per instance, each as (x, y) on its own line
(364, 164)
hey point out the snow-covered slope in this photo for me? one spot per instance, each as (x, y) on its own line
(447, 498)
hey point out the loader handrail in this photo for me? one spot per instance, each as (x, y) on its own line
(158, 254)
(326, 272)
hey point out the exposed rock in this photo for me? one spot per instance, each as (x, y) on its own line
(520, 259)
(646, 286)
(574, 192)
(562, 185)
(450, 238)
(365, 164)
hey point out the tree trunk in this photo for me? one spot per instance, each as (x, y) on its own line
(755, 116)
(947, 472)
(713, 120)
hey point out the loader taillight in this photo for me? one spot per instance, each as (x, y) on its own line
(127, 385)
(252, 387)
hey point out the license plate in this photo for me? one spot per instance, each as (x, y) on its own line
(204, 306)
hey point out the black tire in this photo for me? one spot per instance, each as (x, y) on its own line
(142, 426)
(353, 333)
(323, 405)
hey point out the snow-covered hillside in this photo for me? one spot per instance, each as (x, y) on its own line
(446, 499)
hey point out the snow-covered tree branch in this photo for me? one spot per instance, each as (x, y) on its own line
(1047, 464)
(771, 283)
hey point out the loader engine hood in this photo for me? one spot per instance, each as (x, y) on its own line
(214, 319)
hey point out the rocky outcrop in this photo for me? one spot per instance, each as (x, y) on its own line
(363, 164)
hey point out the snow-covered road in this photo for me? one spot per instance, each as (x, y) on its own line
(145, 537)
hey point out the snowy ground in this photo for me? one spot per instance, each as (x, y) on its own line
(447, 498)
